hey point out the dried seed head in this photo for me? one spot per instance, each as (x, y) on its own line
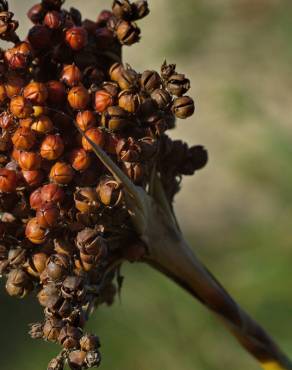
(162, 98)
(56, 364)
(18, 283)
(86, 200)
(93, 359)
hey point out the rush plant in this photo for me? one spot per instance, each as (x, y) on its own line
(88, 176)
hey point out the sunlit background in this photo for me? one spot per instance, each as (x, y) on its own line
(237, 212)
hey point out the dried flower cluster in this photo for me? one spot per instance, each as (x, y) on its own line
(64, 225)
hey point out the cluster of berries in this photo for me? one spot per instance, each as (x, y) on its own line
(64, 225)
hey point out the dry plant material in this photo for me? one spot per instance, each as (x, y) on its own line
(65, 225)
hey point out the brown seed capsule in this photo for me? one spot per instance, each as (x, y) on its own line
(69, 337)
(115, 118)
(71, 75)
(76, 360)
(78, 97)
(103, 100)
(85, 120)
(36, 330)
(183, 107)
(53, 20)
(96, 135)
(6, 120)
(61, 173)
(52, 329)
(126, 78)
(56, 92)
(20, 107)
(140, 9)
(16, 257)
(23, 138)
(36, 92)
(39, 37)
(14, 84)
(92, 245)
(135, 171)
(178, 84)
(76, 38)
(79, 159)
(8, 180)
(52, 147)
(162, 98)
(35, 199)
(16, 60)
(93, 359)
(47, 216)
(3, 94)
(73, 288)
(35, 13)
(127, 33)
(128, 150)
(56, 364)
(52, 193)
(116, 71)
(109, 191)
(34, 232)
(42, 125)
(26, 122)
(49, 296)
(57, 266)
(37, 264)
(18, 283)
(89, 343)
(86, 200)
(129, 101)
(122, 9)
(150, 80)
(29, 161)
(33, 178)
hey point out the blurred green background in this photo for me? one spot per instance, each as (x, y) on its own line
(237, 213)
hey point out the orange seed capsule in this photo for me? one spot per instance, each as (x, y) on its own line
(52, 147)
(61, 173)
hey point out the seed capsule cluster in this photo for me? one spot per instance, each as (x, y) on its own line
(64, 224)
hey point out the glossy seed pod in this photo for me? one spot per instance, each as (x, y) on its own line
(52, 147)
(76, 38)
(86, 119)
(48, 215)
(20, 107)
(61, 173)
(96, 135)
(23, 138)
(34, 232)
(36, 92)
(78, 97)
(8, 180)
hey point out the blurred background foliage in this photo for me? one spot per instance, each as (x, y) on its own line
(237, 212)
